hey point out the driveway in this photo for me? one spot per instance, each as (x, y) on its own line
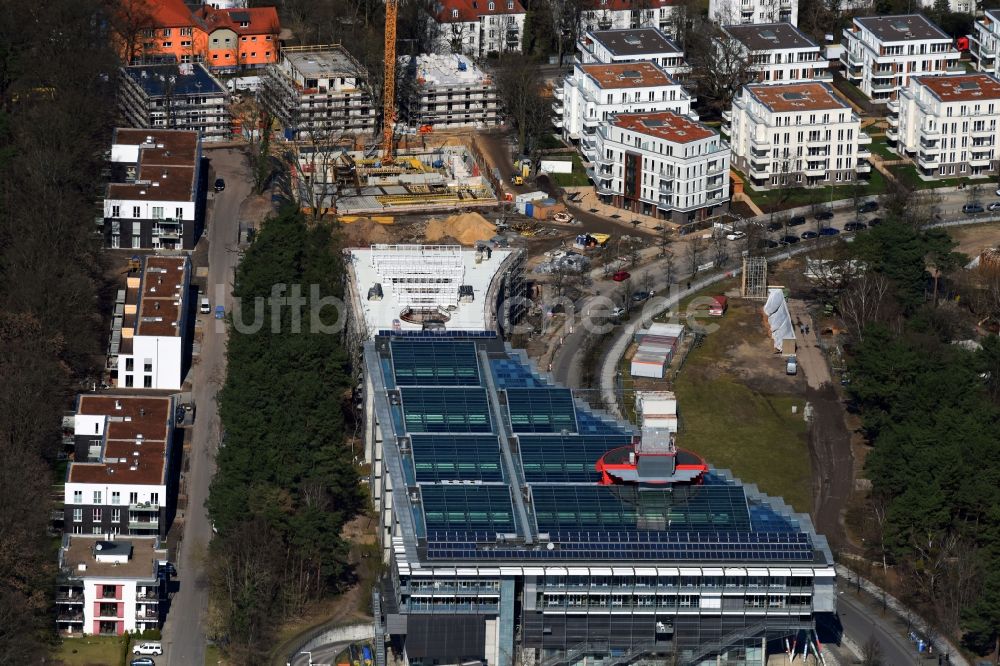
(184, 635)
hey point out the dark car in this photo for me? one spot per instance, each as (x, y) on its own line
(829, 231)
(142, 661)
(973, 209)
(771, 244)
(180, 414)
(855, 226)
(824, 215)
(806, 235)
(790, 239)
(868, 207)
(875, 221)
(219, 184)
(640, 296)
(797, 221)
(775, 226)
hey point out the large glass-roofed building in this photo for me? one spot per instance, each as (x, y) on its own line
(520, 525)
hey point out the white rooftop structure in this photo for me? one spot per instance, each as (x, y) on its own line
(446, 70)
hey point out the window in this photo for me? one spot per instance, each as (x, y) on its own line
(116, 515)
(147, 381)
(147, 365)
(243, 39)
(78, 529)
(129, 381)
(454, 13)
(116, 211)
(108, 592)
(185, 58)
(133, 498)
(186, 42)
(167, 45)
(77, 515)
(253, 54)
(96, 529)
(179, 213)
(154, 498)
(116, 497)
(166, 32)
(77, 497)
(186, 32)
(129, 364)
(135, 211)
(97, 515)
(157, 212)
(244, 24)
(492, 7)
(97, 497)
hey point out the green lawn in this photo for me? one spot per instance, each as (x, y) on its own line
(213, 655)
(880, 146)
(771, 200)
(90, 651)
(907, 175)
(576, 179)
(851, 91)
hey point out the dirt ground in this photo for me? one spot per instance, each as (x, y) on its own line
(973, 240)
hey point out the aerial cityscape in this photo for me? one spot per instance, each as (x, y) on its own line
(500, 332)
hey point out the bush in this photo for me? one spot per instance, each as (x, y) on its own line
(126, 644)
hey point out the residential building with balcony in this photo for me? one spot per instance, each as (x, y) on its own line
(881, 53)
(595, 93)
(155, 198)
(948, 125)
(150, 332)
(633, 45)
(661, 164)
(800, 134)
(109, 587)
(984, 42)
(778, 52)
(739, 12)
(120, 477)
(183, 97)
(600, 15)
(478, 28)
(318, 90)
(451, 91)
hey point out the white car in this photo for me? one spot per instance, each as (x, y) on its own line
(736, 235)
(147, 648)
(563, 218)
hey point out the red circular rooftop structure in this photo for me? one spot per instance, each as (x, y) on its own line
(656, 462)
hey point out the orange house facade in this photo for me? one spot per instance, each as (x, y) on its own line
(240, 37)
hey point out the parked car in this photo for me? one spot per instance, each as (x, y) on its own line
(973, 209)
(797, 221)
(147, 648)
(142, 661)
(791, 366)
(808, 235)
(621, 276)
(775, 226)
(736, 235)
(829, 231)
(618, 312)
(994, 206)
(875, 221)
(790, 239)
(824, 215)
(771, 244)
(868, 207)
(219, 185)
(640, 296)
(220, 312)
(205, 306)
(855, 226)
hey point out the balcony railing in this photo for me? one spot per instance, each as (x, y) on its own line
(144, 507)
(893, 105)
(143, 525)
(70, 617)
(63, 598)
(147, 616)
(892, 134)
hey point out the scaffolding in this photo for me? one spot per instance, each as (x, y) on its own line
(755, 278)
(422, 276)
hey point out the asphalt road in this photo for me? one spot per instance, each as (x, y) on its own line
(321, 656)
(862, 623)
(184, 635)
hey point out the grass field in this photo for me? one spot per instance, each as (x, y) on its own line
(881, 147)
(770, 200)
(907, 175)
(90, 651)
(576, 179)
(213, 655)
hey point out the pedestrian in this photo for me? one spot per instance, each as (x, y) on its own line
(807, 329)
(550, 367)
(689, 284)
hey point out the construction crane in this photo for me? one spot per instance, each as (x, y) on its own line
(389, 86)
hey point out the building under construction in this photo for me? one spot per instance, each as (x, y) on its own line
(318, 90)
(450, 91)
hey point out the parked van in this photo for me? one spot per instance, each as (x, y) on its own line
(791, 366)
(205, 307)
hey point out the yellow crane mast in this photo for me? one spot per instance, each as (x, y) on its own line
(389, 86)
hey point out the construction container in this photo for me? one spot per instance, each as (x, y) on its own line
(529, 209)
(648, 365)
(668, 330)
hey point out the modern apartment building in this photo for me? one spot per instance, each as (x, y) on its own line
(595, 93)
(119, 479)
(779, 52)
(632, 45)
(881, 53)
(184, 97)
(984, 42)
(520, 526)
(149, 341)
(451, 91)
(478, 28)
(599, 15)
(318, 90)
(155, 198)
(948, 125)
(799, 134)
(661, 164)
(109, 587)
(736, 12)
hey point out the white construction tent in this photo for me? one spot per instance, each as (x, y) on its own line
(779, 321)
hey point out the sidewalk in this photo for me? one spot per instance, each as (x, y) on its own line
(589, 202)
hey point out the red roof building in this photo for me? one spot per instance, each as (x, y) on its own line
(479, 27)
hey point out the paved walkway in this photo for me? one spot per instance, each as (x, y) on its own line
(591, 203)
(807, 351)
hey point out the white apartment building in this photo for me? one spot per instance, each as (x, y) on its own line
(451, 91)
(478, 28)
(108, 587)
(596, 93)
(779, 52)
(318, 89)
(984, 42)
(153, 200)
(802, 133)
(632, 45)
(661, 164)
(736, 12)
(948, 125)
(881, 53)
(599, 15)
(149, 327)
(119, 481)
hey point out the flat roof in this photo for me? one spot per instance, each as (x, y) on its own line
(627, 75)
(812, 96)
(664, 125)
(320, 61)
(962, 87)
(141, 565)
(902, 27)
(770, 36)
(183, 79)
(432, 69)
(161, 300)
(167, 165)
(126, 458)
(634, 41)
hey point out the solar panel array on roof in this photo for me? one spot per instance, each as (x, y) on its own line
(426, 363)
(508, 373)
(541, 410)
(446, 410)
(452, 511)
(456, 458)
(565, 459)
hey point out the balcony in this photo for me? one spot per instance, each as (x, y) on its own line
(980, 160)
(864, 153)
(66, 598)
(727, 116)
(928, 161)
(883, 87)
(863, 167)
(720, 167)
(557, 92)
(724, 129)
(929, 148)
(70, 616)
(147, 615)
(955, 68)
(153, 525)
(557, 122)
(930, 132)
(815, 170)
(666, 187)
(893, 106)
(144, 507)
(821, 74)
(757, 171)
(893, 121)
(986, 132)
(760, 144)
(557, 107)
(854, 60)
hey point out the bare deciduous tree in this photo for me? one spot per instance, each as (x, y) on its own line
(312, 164)
(519, 91)
(720, 66)
(255, 123)
(694, 252)
(865, 301)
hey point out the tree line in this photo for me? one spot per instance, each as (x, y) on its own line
(286, 483)
(56, 106)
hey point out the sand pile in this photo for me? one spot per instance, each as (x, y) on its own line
(466, 228)
(365, 231)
